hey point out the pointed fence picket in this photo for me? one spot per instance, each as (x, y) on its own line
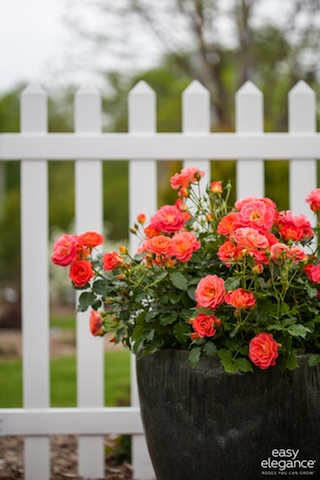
(249, 145)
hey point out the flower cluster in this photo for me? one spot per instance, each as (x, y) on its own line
(241, 283)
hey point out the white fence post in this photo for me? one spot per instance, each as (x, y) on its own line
(35, 298)
(89, 217)
(249, 119)
(303, 172)
(143, 199)
(196, 119)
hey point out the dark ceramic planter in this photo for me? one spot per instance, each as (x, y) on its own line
(204, 424)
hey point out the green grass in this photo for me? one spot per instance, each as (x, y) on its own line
(63, 381)
(65, 322)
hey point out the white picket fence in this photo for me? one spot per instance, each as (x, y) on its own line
(88, 147)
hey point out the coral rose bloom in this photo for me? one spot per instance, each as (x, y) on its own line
(250, 238)
(313, 272)
(314, 200)
(168, 219)
(263, 350)
(204, 325)
(257, 214)
(81, 272)
(95, 324)
(111, 260)
(210, 292)
(65, 250)
(183, 245)
(240, 298)
(294, 227)
(186, 177)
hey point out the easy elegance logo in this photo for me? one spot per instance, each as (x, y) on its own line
(287, 462)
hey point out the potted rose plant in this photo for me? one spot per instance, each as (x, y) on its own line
(233, 290)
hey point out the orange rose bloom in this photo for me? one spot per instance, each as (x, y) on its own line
(141, 218)
(216, 187)
(150, 231)
(90, 239)
(81, 272)
(95, 323)
(228, 224)
(263, 350)
(183, 245)
(204, 325)
(160, 244)
(240, 298)
(229, 252)
(111, 260)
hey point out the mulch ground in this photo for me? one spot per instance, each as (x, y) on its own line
(64, 461)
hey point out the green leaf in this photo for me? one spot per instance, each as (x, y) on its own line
(290, 361)
(314, 360)
(139, 320)
(194, 356)
(138, 332)
(169, 318)
(227, 361)
(243, 365)
(289, 321)
(96, 304)
(285, 308)
(274, 326)
(86, 299)
(298, 330)
(312, 292)
(99, 287)
(179, 281)
(231, 283)
(234, 331)
(181, 331)
(210, 349)
(174, 297)
(160, 277)
(150, 315)
(191, 293)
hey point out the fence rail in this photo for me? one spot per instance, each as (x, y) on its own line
(143, 147)
(162, 146)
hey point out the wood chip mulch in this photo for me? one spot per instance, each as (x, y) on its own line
(63, 460)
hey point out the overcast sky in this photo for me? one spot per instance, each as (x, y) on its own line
(32, 40)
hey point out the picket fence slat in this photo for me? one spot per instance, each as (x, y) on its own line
(142, 199)
(35, 291)
(249, 119)
(89, 217)
(142, 146)
(196, 119)
(303, 171)
(162, 146)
